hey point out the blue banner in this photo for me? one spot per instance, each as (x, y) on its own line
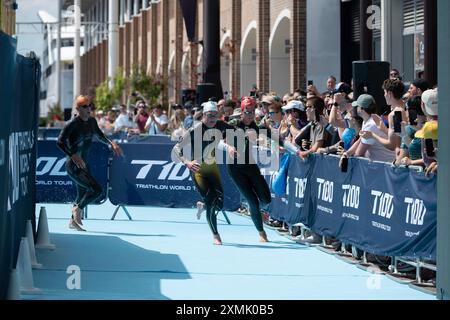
(7, 74)
(374, 206)
(53, 185)
(146, 176)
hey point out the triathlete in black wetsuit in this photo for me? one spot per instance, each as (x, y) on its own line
(202, 161)
(245, 172)
(75, 141)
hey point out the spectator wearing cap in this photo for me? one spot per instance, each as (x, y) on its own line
(158, 122)
(237, 113)
(142, 115)
(125, 121)
(296, 118)
(428, 132)
(262, 112)
(367, 146)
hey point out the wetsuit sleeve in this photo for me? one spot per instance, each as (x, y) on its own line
(177, 151)
(99, 133)
(63, 140)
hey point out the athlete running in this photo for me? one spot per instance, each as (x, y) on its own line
(75, 141)
(197, 151)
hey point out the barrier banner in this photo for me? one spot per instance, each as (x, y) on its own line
(380, 209)
(298, 191)
(53, 185)
(7, 75)
(146, 176)
(278, 207)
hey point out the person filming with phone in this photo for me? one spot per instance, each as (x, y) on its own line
(368, 147)
(428, 134)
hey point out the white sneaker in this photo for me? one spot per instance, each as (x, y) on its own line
(200, 209)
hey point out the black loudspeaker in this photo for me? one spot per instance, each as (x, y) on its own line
(188, 95)
(206, 91)
(67, 114)
(368, 77)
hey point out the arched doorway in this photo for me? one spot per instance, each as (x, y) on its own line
(280, 54)
(248, 59)
(225, 61)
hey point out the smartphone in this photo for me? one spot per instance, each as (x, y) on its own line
(429, 148)
(398, 121)
(310, 83)
(344, 165)
(412, 117)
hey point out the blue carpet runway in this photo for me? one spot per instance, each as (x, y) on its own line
(168, 254)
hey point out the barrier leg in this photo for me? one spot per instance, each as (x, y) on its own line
(418, 269)
(124, 209)
(115, 212)
(85, 213)
(226, 217)
(127, 213)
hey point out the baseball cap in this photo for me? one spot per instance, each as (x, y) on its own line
(430, 100)
(210, 106)
(294, 104)
(247, 102)
(343, 88)
(365, 101)
(268, 99)
(236, 114)
(429, 131)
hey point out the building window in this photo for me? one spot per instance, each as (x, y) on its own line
(413, 38)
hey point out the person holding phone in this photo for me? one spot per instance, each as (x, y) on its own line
(428, 134)
(397, 118)
(411, 147)
(367, 146)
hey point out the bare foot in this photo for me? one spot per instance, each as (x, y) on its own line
(74, 225)
(217, 240)
(77, 214)
(200, 209)
(263, 237)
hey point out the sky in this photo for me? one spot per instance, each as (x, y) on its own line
(28, 12)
